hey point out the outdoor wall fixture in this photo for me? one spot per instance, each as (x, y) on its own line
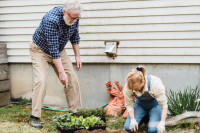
(111, 48)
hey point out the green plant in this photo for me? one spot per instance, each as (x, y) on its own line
(181, 101)
(99, 112)
(68, 121)
(92, 121)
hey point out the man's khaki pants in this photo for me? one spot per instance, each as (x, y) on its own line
(40, 61)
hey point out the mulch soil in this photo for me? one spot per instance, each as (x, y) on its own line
(93, 131)
(100, 131)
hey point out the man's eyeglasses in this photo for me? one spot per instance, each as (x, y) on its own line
(72, 17)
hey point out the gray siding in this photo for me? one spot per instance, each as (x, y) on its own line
(149, 31)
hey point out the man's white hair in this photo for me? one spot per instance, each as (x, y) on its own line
(72, 5)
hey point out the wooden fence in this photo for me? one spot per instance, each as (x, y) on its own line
(4, 77)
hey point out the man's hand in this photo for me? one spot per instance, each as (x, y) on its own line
(78, 64)
(63, 78)
(61, 73)
(161, 127)
(133, 125)
(77, 57)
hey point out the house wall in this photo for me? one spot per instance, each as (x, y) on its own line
(163, 35)
(93, 77)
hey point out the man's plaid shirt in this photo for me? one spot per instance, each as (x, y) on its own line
(53, 34)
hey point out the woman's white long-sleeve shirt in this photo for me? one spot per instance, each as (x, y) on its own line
(157, 91)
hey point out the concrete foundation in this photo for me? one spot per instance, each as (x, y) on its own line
(92, 79)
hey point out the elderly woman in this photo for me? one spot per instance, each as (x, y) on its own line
(149, 92)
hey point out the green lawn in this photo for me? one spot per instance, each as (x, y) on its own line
(14, 119)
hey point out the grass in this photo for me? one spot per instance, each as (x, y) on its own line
(14, 119)
(114, 123)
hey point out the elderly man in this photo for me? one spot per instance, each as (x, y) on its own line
(57, 27)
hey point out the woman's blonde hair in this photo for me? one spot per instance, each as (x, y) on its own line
(136, 76)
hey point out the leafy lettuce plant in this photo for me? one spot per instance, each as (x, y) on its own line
(77, 122)
(92, 121)
(181, 101)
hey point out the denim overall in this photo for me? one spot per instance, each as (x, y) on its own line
(144, 105)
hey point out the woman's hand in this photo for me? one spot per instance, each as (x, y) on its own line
(161, 127)
(133, 125)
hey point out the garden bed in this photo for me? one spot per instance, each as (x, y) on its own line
(15, 118)
(69, 123)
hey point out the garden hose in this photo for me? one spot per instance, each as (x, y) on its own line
(46, 108)
(55, 109)
(104, 105)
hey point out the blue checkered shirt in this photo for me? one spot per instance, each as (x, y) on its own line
(53, 34)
